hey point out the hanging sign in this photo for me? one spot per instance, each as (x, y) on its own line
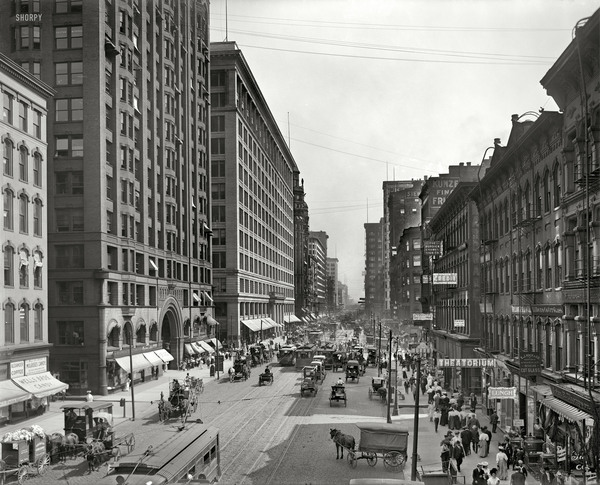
(445, 278)
(502, 392)
(466, 362)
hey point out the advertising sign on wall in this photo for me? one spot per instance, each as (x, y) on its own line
(502, 392)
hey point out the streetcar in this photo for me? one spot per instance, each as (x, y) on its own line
(185, 454)
(287, 355)
(304, 355)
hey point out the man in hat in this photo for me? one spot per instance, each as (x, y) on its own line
(517, 478)
(465, 437)
(89, 397)
(479, 475)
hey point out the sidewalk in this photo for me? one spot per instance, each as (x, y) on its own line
(145, 396)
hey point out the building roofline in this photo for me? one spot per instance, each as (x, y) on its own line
(13, 69)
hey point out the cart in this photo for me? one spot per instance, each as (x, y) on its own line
(23, 453)
(320, 370)
(381, 440)
(338, 393)
(265, 378)
(309, 381)
(378, 388)
(353, 370)
(240, 370)
(338, 361)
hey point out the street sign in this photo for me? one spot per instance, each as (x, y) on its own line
(502, 392)
(530, 363)
(422, 316)
(466, 362)
(432, 248)
(459, 323)
(445, 278)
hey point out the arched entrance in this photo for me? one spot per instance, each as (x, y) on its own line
(171, 334)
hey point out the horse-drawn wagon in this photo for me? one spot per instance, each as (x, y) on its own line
(371, 356)
(381, 440)
(23, 453)
(309, 380)
(338, 393)
(240, 370)
(266, 377)
(182, 400)
(378, 388)
(352, 370)
(319, 370)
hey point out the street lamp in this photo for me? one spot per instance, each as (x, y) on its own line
(415, 455)
(129, 331)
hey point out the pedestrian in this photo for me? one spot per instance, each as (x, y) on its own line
(518, 457)
(569, 480)
(465, 437)
(460, 401)
(493, 480)
(445, 455)
(458, 453)
(502, 463)
(547, 476)
(517, 478)
(89, 397)
(484, 443)
(472, 402)
(479, 475)
(475, 438)
(559, 478)
(430, 410)
(436, 418)
(494, 421)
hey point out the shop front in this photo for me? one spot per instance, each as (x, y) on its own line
(139, 367)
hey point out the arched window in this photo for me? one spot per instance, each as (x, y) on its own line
(24, 268)
(24, 322)
(23, 165)
(8, 197)
(547, 193)
(537, 195)
(38, 322)
(37, 170)
(37, 269)
(113, 337)
(23, 214)
(527, 202)
(154, 332)
(128, 334)
(8, 157)
(557, 185)
(539, 268)
(140, 335)
(9, 323)
(37, 217)
(9, 266)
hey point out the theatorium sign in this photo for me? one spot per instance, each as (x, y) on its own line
(466, 362)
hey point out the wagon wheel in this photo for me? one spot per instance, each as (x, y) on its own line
(130, 442)
(371, 458)
(42, 463)
(22, 473)
(351, 457)
(393, 460)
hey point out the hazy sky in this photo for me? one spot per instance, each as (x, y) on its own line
(375, 90)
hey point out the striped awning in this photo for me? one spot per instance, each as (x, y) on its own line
(205, 347)
(254, 324)
(164, 355)
(189, 349)
(154, 359)
(565, 410)
(291, 319)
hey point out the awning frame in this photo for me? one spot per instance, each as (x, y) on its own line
(565, 410)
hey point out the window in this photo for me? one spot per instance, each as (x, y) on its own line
(69, 37)
(33, 67)
(69, 220)
(9, 323)
(547, 193)
(218, 213)
(69, 73)
(9, 266)
(218, 191)
(70, 292)
(557, 186)
(69, 256)
(7, 108)
(69, 183)
(68, 6)
(23, 214)
(217, 168)
(37, 169)
(69, 109)
(69, 146)
(37, 270)
(24, 322)
(217, 123)
(219, 259)
(23, 169)
(38, 322)
(23, 110)
(217, 146)
(70, 333)
(8, 158)
(23, 268)
(37, 124)
(8, 209)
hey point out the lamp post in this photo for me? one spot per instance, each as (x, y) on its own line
(389, 389)
(395, 412)
(130, 338)
(415, 455)
(379, 352)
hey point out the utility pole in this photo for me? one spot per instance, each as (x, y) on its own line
(379, 352)
(415, 455)
(389, 390)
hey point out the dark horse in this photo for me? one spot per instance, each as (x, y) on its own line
(341, 441)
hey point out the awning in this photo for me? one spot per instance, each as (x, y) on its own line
(10, 393)
(198, 348)
(154, 359)
(272, 322)
(210, 320)
(291, 319)
(542, 389)
(213, 342)
(41, 385)
(164, 355)
(565, 410)
(189, 349)
(138, 363)
(205, 347)
(253, 325)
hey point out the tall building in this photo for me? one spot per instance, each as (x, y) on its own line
(374, 281)
(317, 249)
(25, 380)
(332, 287)
(128, 233)
(301, 256)
(253, 183)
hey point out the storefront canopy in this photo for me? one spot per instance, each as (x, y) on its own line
(41, 385)
(565, 410)
(205, 347)
(253, 325)
(213, 342)
(198, 348)
(154, 359)
(164, 355)
(272, 323)
(542, 389)
(10, 393)
(189, 349)
(138, 363)
(291, 319)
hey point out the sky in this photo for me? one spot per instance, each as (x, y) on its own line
(366, 91)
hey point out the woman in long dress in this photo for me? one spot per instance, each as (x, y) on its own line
(484, 443)
(502, 463)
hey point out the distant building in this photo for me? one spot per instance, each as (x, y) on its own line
(254, 180)
(374, 269)
(317, 248)
(301, 253)
(332, 289)
(407, 276)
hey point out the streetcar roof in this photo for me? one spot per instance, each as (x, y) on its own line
(93, 405)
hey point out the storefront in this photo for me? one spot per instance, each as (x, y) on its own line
(146, 365)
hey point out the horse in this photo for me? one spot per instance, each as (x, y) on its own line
(341, 441)
(66, 444)
(96, 454)
(165, 409)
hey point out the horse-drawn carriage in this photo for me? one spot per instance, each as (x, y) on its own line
(339, 359)
(371, 356)
(320, 370)
(182, 401)
(378, 388)
(309, 380)
(240, 370)
(23, 453)
(266, 377)
(338, 393)
(381, 440)
(353, 370)
(257, 356)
